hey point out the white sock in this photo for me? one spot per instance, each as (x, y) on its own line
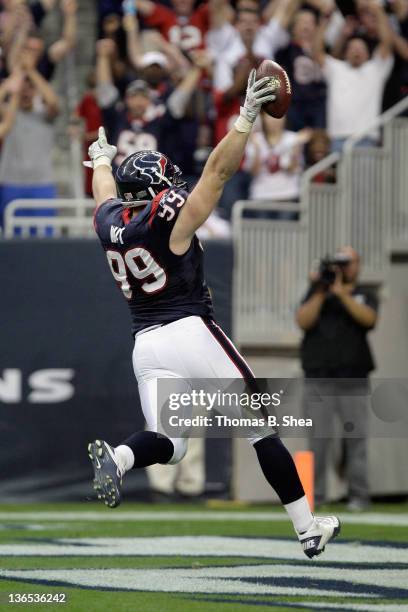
(125, 458)
(300, 514)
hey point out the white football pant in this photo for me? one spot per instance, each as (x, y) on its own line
(189, 348)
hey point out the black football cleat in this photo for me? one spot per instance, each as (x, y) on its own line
(323, 530)
(108, 477)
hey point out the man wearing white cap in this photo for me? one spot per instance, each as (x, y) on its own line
(153, 67)
(147, 116)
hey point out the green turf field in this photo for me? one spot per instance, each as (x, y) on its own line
(196, 558)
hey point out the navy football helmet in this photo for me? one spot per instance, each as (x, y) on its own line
(145, 174)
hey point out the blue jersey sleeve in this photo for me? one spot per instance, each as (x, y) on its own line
(165, 210)
(113, 222)
(107, 215)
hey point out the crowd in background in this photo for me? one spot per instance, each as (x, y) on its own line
(29, 102)
(171, 75)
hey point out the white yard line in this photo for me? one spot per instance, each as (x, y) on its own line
(208, 580)
(366, 518)
(285, 579)
(248, 580)
(203, 546)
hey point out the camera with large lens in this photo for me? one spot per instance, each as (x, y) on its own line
(328, 267)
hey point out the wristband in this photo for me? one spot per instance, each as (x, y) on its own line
(103, 160)
(242, 124)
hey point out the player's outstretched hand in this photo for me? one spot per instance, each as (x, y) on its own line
(100, 152)
(258, 93)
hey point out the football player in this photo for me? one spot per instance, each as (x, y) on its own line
(148, 233)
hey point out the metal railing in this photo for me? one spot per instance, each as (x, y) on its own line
(69, 218)
(374, 185)
(396, 136)
(76, 152)
(367, 207)
(322, 208)
(270, 273)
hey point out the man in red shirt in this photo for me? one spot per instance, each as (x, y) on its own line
(88, 110)
(227, 101)
(183, 25)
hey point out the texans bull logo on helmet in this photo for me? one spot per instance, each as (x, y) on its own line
(152, 167)
(143, 175)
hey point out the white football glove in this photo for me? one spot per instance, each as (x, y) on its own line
(258, 92)
(100, 152)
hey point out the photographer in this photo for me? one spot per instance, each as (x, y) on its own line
(336, 314)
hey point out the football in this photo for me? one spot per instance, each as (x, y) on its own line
(280, 106)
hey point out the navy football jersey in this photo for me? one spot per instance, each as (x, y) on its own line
(160, 287)
(134, 135)
(305, 75)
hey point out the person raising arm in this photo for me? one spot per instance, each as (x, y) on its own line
(223, 162)
(146, 222)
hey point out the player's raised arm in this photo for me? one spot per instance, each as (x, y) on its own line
(101, 155)
(222, 164)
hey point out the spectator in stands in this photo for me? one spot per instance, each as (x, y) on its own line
(360, 21)
(121, 68)
(248, 38)
(12, 11)
(30, 42)
(316, 149)
(187, 107)
(112, 28)
(13, 16)
(368, 23)
(140, 123)
(349, 29)
(246, 45)
(10, 90)
(355, 85)
(363, 22)
(154, 69)
(154, 66)
(89, 112)
(182, 25)
(26, 158)
(308, 106)
(400, 44)
(275, 161)
(336, 316)
(138, 43)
